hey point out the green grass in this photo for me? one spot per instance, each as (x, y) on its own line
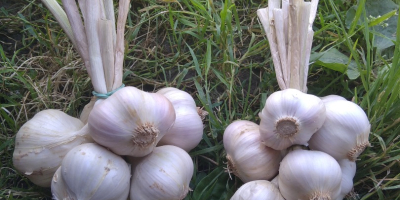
(216, 51)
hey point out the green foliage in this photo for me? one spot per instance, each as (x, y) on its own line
(216, 51)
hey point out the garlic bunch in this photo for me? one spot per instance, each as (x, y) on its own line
(344, 134)
(91, 172)
(42, 142)
(257, 190)
(305, 175)
(290, 117)
(247, 157)
(348, 171)
(163, 174)
(131, 121)
(187, 130)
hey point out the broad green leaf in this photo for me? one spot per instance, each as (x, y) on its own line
(382, 17)
(335, 60)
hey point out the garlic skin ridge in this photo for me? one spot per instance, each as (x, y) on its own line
(247, 157)
(345, 132)
(131, 122)
(91, 172)
(290, 117)
(187, 130)
(305, 175)
(257, 190)
(43, 141)
(163, 174)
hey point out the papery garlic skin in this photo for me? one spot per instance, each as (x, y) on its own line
(163, 174)
(131, 122)
(332, 97)
(177, 97)
(348, 172)
(42, 142)
(345, 132)
(257, 190)
(290, 117)
(305, 175)
(91, 172)
(247, 157)
(187, 130)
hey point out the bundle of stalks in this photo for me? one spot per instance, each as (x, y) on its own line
(288, 26)
(98, 40)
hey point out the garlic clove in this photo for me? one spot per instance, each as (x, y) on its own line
(91, 172)
(305, 175)
(187, 130)
(345, 132)
(247, 157)
(290, 117)
(163, 174)
(177, 96)
(257, 190)
(42, 142)
(332, 97)
(131, 122)
(348, 172)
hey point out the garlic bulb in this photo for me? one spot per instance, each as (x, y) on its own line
(290, 117)
(91, 172)
(348, 172)
(247, 157)
(306, 175)
(177, 97)
(42, 142)
(344, 134)
(257, 190)
(187, 130)
(332, 98)
(163, 174)
(131, 122)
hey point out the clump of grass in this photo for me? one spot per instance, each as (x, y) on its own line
(216, 51)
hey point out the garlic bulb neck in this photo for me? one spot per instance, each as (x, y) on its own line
(145, 135)
(287, 127)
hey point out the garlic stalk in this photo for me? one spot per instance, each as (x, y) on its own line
(288, 26)
(131, 122)
(256, 190)
(348, 172)
(163, 174)
(344, 134)
(247, 157)
(91, 172)
(42, 142)
(187, 130)
(309, 175)
(290, 117)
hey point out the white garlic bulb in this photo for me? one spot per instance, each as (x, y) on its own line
(332, 97)
(305, 175)
(257, 190)
(345, 132)
(177, 97)
(42, 142)
(187, 130)
(163, 174)
(290, 117)
(348, 172)
(91, 172)
(131, 122)
(247, 157)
